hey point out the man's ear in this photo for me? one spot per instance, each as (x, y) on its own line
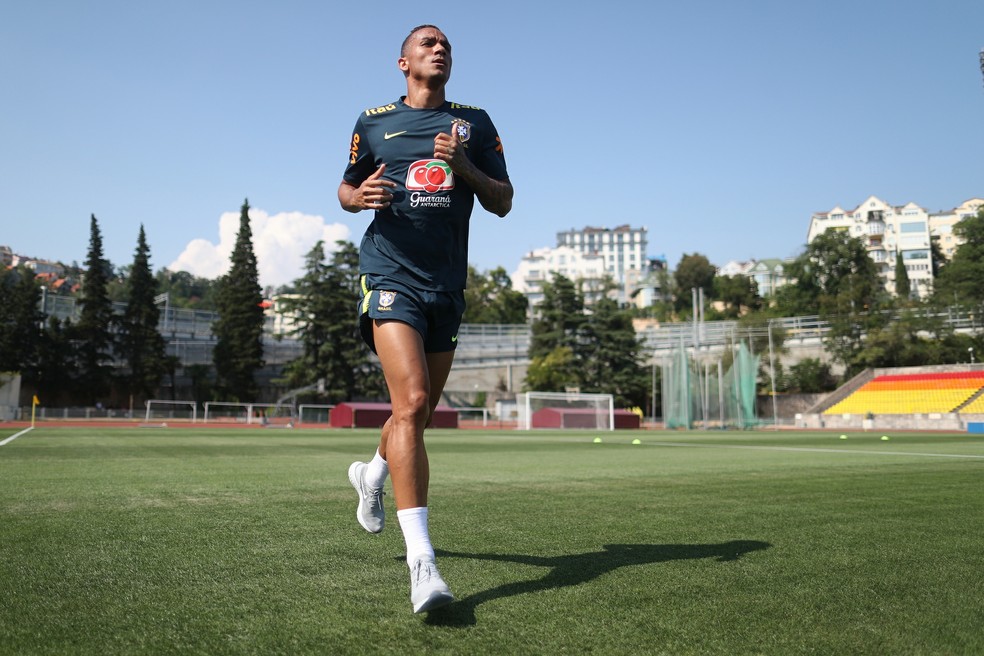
(402, 63)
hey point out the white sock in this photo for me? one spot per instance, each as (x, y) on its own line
(413, 523)
(377, 471)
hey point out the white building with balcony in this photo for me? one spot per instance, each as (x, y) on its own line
(909, 229)
(886, 231)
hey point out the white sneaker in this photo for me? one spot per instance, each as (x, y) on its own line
(370, 512)
(427, 589)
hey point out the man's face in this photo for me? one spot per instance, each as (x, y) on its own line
(427, 55)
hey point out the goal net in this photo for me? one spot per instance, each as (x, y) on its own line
(163, 410)
(314, 413)
(710, 394)
(266, 414)
(566, 410)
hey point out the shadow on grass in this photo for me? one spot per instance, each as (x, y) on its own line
(575, 569)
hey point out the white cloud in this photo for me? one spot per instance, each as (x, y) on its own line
(280, 243)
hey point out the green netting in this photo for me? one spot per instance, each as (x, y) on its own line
(703, 394)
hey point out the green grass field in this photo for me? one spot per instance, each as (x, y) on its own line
(225, 541)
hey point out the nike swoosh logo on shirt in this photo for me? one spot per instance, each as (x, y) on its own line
(390, 135)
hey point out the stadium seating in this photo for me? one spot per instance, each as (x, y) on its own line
(913, 394)
(975, 407)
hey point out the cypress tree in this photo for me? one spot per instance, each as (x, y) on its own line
(93, 333)
(902, 285)
(239, 329)
(141, 343)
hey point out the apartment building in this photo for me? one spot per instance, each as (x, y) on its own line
(941, 224)
(587, 256)
(769, 274)
(889, 230)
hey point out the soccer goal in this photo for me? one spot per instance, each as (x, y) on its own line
(567, 410)
(163, 410)
(313, 413)
(248, 413)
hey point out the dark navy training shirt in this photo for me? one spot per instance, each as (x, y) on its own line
(422, 237)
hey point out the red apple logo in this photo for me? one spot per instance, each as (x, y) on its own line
(430, 175)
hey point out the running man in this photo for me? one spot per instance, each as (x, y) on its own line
(418, 163)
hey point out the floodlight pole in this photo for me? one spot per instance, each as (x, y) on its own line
(166, 299)
(652, 398)
(772, 375)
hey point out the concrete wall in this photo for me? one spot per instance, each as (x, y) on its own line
(10, 389)
(950, 421)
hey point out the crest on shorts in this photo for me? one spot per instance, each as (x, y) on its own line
(462, 129)
(386, 298)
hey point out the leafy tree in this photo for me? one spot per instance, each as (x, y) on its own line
(610, 355)
(738, 293)
(116, 287)
(849, 328)
(324, 307)
(93, 334)
(238, 330)
(899, 343)
(902, 285)
(961, 278)
(141, 344)
(559, 317)
(201, 385)
(491, 299)
(810, 376)
(595, 350)
(21, 321)
(187, 291)
(554, 336)
(801, 296)
(835, 278)
(58, 363)
(552, 371)
(693, 272)
(833, 270)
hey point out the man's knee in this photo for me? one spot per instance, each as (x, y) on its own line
(416, 409)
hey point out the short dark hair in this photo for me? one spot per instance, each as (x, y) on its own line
(406, 41)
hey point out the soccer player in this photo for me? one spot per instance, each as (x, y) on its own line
(418, 163)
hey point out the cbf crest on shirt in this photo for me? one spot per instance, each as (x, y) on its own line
(422, 237)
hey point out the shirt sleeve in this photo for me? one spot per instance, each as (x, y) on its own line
(492, 160)
(361, 161)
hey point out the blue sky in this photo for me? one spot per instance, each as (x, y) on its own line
(718, 125)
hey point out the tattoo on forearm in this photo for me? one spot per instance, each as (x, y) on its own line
(499, 197)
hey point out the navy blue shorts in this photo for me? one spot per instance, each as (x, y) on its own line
(435, 315)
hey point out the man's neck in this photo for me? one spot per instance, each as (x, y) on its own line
(422, 97)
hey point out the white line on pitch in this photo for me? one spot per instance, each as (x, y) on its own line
(16, 435)
(815, 450)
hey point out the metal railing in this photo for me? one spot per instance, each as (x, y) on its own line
(190, 339)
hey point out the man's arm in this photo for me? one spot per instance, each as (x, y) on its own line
(494, 195)
(373, 194)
